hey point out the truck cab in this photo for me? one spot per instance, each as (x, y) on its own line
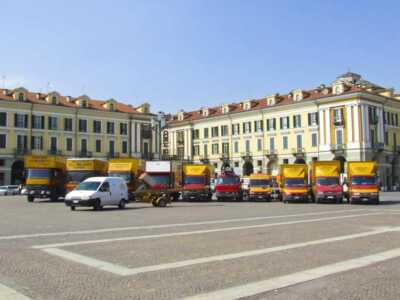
(260, 187)
(45, 177)
(325, 178)
(196, 182)
(362, 182)
(293, 182)
(228, 186)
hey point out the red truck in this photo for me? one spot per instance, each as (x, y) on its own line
(228, 186)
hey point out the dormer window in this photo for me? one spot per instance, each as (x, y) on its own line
(247, 105)
(84, 103)
(21, 97)
(225, 109)
(297, 95)
(110, 105)
(205, 112)
(52, 98)
(271, 100)
(181, 116)
(338, 88)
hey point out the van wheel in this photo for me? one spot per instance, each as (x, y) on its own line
(122, 204)
(72, 207)
(97, 205)
(30, 199)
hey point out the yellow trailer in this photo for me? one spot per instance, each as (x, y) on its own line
(79, 169)
(45, 176)
(127, 168)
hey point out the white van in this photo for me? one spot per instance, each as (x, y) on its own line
(97, 192)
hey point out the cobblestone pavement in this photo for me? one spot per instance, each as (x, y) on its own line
(250, 250)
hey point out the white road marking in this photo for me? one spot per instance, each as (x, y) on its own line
(162, 226)
(7, 293)
(271, 284)
(185, 233)
(124, 271)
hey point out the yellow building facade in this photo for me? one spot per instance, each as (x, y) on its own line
(350, 119)
(51, 124)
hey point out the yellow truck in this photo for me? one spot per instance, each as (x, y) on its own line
(196, 182)
(362, 181)
(45, 177)
(260, 187)
(293, 182)
(79, 169)
(325, 180)
(127, 168)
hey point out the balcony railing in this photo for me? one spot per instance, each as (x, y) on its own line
(338, 121)
(21, 151)
(298, 151)
(85, 153)
(338, 147)
(374, 120)
(54, 152)
(270, 153)
(378, 147)
(112, 155)
(224, 156)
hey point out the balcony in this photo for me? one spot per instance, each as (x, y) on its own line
(374, 120)
(298, 151)
(112, 155)
(335, 148)
(246, 155)
(378, 147)
(224, 157)
(54, 152)
(85, 153)
(146, 133)
(271, 153)
(21, 151)
(338, 121)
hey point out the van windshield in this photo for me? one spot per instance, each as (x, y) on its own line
(294, 182)
(261, 182)
(88, 186)
(194, 180)
(328, 181)
(38, 173)
(363, 180)
(227, 180)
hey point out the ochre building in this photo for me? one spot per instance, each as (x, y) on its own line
(52, 124)
(350, 119)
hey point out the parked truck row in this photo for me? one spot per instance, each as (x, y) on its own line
(160, 182)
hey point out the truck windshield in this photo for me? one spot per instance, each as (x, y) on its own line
(158, 179)
(260, 182)
(194, 180)
(227, 180)
(79, 176)
(38, 173)
(328, 181)
(124, 175)
(88, 186)
(295, 182)
(363, 180)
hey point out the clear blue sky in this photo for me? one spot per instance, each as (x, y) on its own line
(191, 53)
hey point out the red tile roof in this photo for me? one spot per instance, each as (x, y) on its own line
(261, 103)
(40, 98)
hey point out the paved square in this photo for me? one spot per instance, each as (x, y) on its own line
(199, 251)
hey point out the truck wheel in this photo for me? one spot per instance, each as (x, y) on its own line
(162, 202)
(376, 202)
(53, 198)
(122, 204)
(30, 198)
(154, 203)
(72, 207)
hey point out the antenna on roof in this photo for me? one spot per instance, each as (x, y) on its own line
(48, 87)
(349, 69)
(3, 81)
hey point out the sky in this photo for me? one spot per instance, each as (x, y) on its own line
(188, 54)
